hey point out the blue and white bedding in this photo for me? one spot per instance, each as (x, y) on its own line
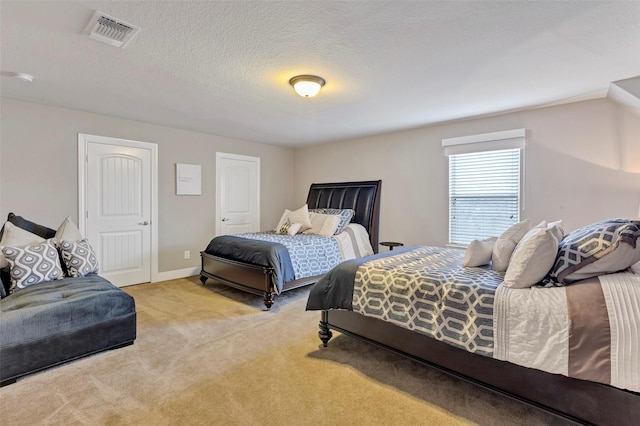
(293, 256)
(310, 254)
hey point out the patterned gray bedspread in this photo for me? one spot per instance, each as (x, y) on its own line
(425, 289)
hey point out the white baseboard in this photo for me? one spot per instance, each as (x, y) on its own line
(178, 273)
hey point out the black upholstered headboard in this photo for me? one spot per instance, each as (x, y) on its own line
(362, 197)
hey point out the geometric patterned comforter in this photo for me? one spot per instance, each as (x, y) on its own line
(310, 254)
(589, 330)
(429, 291)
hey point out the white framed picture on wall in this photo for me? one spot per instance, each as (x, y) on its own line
(188, 179)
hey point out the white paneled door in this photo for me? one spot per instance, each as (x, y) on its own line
(238, 194)
(119, 210)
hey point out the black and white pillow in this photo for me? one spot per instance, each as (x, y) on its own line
(601, 248)
(33, 264)
(79, 258)
(288, 228)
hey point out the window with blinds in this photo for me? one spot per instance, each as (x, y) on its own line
(484, 194)
(484, 184)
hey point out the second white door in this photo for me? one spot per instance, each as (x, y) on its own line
(237, 194)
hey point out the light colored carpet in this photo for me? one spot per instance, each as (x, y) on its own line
(210, 355)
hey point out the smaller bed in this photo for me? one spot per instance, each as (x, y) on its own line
(264, 268)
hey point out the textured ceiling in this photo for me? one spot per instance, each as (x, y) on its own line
(222, 67)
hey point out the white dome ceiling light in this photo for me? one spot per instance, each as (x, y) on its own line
(307, 86)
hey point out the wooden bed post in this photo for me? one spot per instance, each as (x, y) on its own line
(325, 333)
(268, 299)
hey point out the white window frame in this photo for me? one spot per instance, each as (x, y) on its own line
(497, 141)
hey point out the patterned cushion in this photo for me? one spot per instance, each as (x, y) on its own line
(601, 248)
(288, 228)
(345, 217)
(79, 257)
(33, 264)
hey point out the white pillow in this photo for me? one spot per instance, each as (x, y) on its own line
(506, 243)
(479, 252)
(300, 216)
(13, 236)
(323, 224)
(68, 231)
(533, 257)
(558, 230)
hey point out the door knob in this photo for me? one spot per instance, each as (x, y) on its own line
(224, 219)
(145, 223)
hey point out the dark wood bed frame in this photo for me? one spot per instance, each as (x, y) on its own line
(363, 197)
(580, 401)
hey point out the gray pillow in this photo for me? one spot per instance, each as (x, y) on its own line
(33, 264)
(79, 258)
(601, 248)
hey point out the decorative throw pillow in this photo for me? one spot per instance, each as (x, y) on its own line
(323, 224)
(289, 228)
(601, 248)
(79, 257)
(68, 231)
(533, 257)
(479, 252)
(345, 216)
(506, 243)
(300, 216)
(12, 236)
(33, 264)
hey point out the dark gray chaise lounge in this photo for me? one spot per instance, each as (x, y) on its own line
(51, 323)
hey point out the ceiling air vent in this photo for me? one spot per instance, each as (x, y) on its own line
(110, 30)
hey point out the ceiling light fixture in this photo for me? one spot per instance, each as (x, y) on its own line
(307, 85)
(22, 76)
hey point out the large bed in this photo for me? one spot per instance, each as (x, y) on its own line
(569, 349)
(235, 260)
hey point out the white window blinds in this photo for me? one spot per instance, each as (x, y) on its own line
(484, 185)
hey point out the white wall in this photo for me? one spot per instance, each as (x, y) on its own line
(582, 164)
(39, 173)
